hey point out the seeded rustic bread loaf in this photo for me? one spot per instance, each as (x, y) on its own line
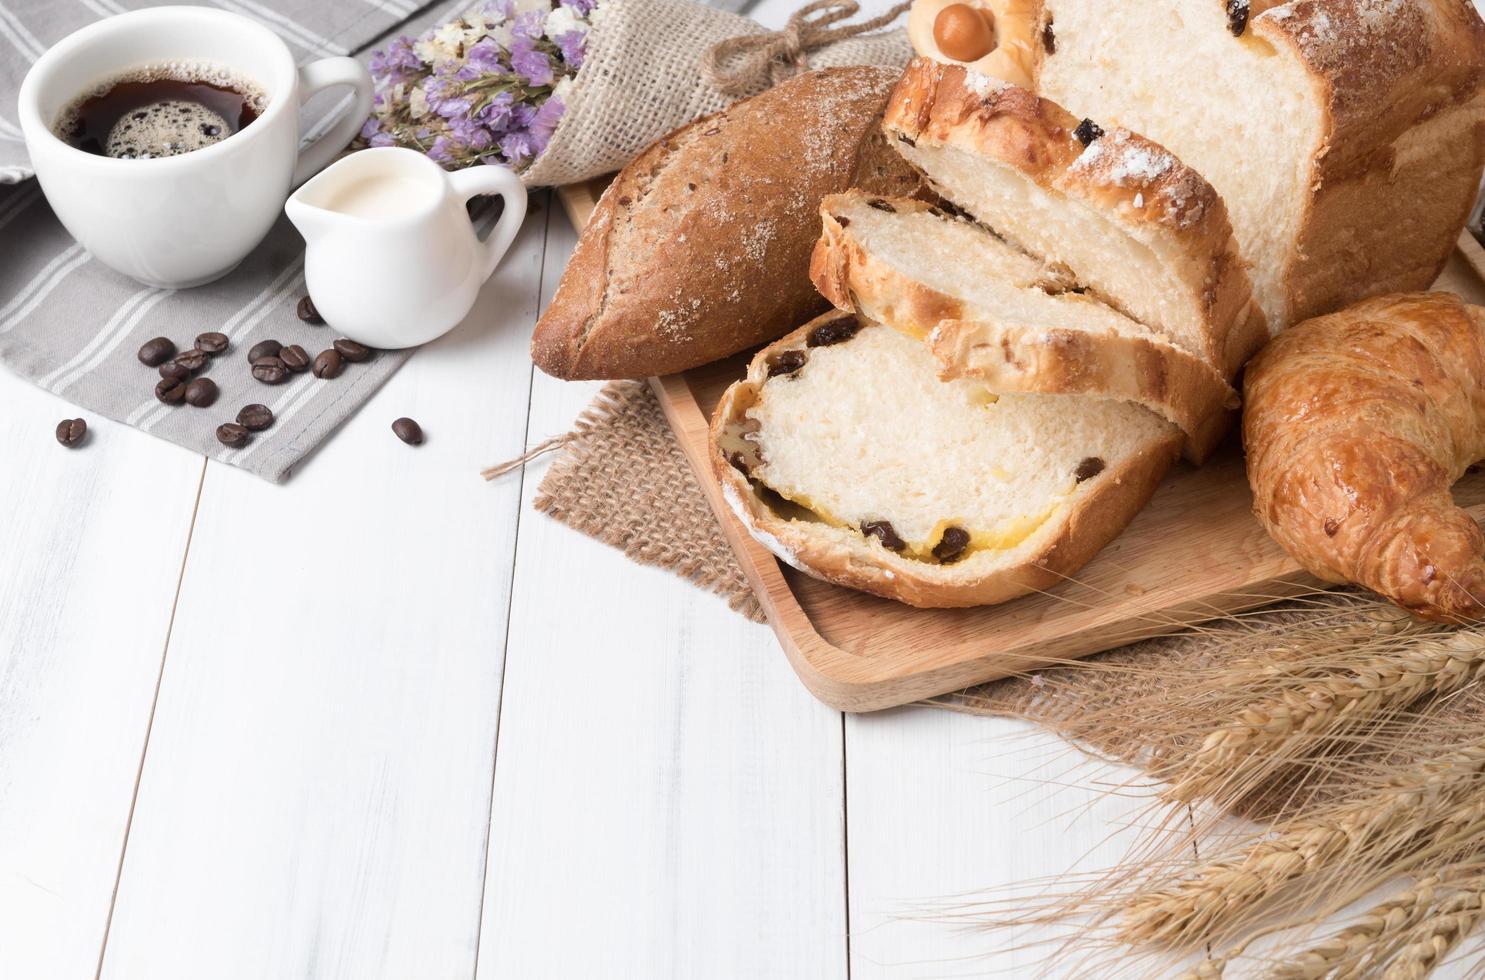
(993, 313)
(1357, 424)
(1141, 229)
(1345, 136)
(700, 247)
(844, 453)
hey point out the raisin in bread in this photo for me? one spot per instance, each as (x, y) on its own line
(846, 455)
(991, 312)
(1346, 137)
(1141, 230)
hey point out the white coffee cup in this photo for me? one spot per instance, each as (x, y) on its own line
(182, 220)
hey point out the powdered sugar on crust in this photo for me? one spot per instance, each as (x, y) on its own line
(983, 85)
(1367, 45)
(1124, 159)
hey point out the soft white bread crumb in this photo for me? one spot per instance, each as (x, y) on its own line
(812, 455)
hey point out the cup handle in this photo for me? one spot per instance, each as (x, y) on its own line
(487, 178)
(321, 75)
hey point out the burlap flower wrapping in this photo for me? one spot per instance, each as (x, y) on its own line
(642, 77)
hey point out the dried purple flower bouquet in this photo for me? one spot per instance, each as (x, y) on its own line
(486, 87)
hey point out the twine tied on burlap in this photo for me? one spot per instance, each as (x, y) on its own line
(770, 58)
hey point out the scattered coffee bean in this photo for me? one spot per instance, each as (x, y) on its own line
(1237, 17)
(264, 348)
(308, 313)
(156, 352)
(255, 418)
(212, 343)
(232, 435)
(71, 432)
(295, 358)
(1088, 131)
(270, 370)
(786, 362)
(328, 364)
(171, 391)
(352, 351)
(1049, 38)
(1331, 526)
(175, 371)
(1090, 467)
(408, 431)
(201, 392)
(192, 360)
(834, 332)
(884, 532)
(951, 546)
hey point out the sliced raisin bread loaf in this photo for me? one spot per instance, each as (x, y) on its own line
(1346, 137)
(991, 312)
(844, 453)
(1140, 229)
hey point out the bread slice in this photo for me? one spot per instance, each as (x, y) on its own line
(1141, 229)
(844, 453)
(1345, 136)
(700, 246)
(993, 313)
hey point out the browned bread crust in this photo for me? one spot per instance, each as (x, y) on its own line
(1010, 356)
(1356, 425)
(700, 247)
(1049, 556)
(1132, 180)
(1400, 163)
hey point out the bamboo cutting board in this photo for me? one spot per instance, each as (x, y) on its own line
(1194, 553)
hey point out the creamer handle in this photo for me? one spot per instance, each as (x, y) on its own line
(485, 178)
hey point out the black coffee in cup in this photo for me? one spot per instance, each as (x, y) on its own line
(161, 111)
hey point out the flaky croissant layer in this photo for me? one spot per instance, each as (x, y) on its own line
(1356, 424)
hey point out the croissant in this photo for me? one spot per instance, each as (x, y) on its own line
(1356, 424)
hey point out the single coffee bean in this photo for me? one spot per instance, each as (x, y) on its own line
(156, 352)
(295, 358)
(71, 432)
(212, 343)
(328, 364)
(270, 370)
(201, 392)
(352, 351)
(255, 418)
(408, 431)
(232, 435)
(308, 313)
(171, 391)
(264, 348)
(175, 371)
(192, 360)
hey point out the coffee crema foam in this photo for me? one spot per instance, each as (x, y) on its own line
(161, 110)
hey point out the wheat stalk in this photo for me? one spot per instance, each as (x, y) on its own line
(1424, 946)
(1434, 801)
(1347, 949)
(1277, 729)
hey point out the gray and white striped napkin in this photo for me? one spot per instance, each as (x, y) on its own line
(74, 327)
